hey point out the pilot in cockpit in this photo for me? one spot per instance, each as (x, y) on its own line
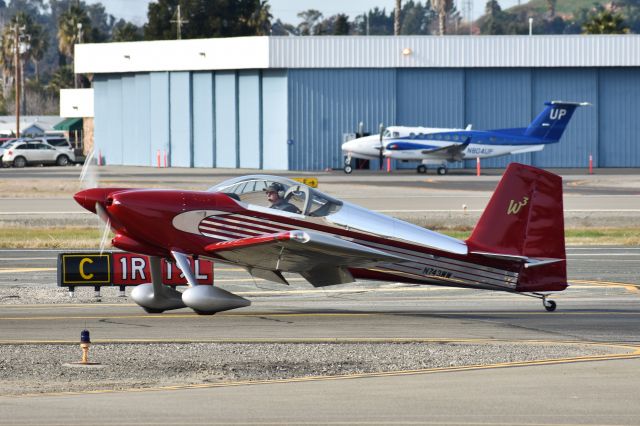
(275, 194)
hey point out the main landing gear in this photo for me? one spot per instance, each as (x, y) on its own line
(441, 170)
(347, 165)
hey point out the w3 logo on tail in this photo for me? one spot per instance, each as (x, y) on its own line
(557, 113)
(515, 206)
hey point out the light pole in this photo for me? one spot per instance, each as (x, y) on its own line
(75, 76)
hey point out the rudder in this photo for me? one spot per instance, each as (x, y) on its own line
(550, 124)
(524, 221)
(524, 216)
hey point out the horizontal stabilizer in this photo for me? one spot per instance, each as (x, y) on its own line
(529, 262)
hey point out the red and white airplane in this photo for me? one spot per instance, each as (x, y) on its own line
(517, 246)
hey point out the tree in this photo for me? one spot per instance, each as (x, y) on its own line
(310, 19)
(495, 20)
(443, 8)
(603, 21)
(283, 28)
(416, 18)
(63, 77)
(551, 6)
(207, 18)
(101, 23)
(71, 24)
(126, 31)
(260, 19)
(341, 25)
(396, 17)
(376, 20)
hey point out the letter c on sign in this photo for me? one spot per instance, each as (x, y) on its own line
(82, 274)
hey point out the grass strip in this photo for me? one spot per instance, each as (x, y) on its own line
(79, 237)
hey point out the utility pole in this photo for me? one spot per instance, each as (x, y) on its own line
(179, 21)
(17, 72)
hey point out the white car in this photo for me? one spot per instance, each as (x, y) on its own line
(59, 143)
(22, 153)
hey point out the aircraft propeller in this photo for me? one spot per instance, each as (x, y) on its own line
(104, 217)
(88, 175)
(89, 179)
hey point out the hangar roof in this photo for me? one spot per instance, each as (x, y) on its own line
(360, 52)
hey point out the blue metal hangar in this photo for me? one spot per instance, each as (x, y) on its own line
(285, 103)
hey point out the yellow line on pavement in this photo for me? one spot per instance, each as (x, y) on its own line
(16, 270)
(314, 314)
(633, 288)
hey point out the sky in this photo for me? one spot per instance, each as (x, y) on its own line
(287, 10)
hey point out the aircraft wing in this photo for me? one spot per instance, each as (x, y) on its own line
(451, 152)
(321, 259)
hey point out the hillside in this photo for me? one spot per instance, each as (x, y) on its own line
(563, 7)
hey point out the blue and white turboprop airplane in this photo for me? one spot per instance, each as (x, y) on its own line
(434, 146)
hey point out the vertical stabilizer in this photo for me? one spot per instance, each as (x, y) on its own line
(550, 124)
(524, 219)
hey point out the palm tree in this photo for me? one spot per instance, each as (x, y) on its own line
(71, 24)
(260, 19)
(38, 46)
(396, 18)
(603, 21)
(442, 7)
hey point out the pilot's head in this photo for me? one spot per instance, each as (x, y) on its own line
(275, 191)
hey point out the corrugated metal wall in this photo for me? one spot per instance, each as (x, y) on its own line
(581, 136)
(498, 99)
(180, 119)
(274, 120)
(296, 119)
(226, 113)
(159, 112)
(426, 98)
(249, 119)
(619, 124)
(325, 104)
(522, 51)
(203, 119)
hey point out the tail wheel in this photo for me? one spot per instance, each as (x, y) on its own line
(442, 170)
(19, 162)
(421, 169)
(549, 305)
(348, 169)
(63, 160)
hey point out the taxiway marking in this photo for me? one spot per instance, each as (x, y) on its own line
(17, 270)
(171, 316)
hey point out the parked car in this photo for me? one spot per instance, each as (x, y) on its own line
(6, 144)
(59, 143)
(22, 153)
